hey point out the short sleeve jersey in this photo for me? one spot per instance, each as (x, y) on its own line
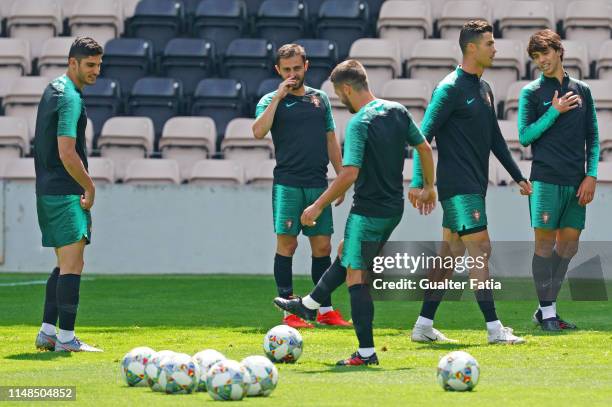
(299, 132)
(375, 141)
(61, 112)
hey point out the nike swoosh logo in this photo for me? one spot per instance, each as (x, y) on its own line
(290, 104)
(430, 338)
(547, 103)
(469, 101)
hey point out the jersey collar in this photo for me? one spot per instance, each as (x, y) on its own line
(470, 76)
(554, 81)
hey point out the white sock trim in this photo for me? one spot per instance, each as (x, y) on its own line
(65, 336)
(422, 321)
(366, 352)
(310, 303)
(325, 310)
(47, 329)
(494, 325)
(548, 312)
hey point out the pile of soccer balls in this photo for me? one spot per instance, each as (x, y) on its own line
(210, 371)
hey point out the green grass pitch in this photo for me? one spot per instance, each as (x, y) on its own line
(231, 314)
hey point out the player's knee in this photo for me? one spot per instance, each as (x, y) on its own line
(353, 277)
(287, 248)
(322, 250)
(567, 250)
(544, 248)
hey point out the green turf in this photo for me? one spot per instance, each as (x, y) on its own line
(231, 314)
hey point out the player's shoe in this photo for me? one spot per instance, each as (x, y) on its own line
(551, 325)
(294, 306)
(537, 319)
(333, 318)
(296, 322)
(75, 345)
(504, 335)
(45, 342)
(422, 333)
(357, 360)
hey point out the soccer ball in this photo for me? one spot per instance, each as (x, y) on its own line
(228, 380)
(205, 359)
(264, 375)
(152, 369)
(133, 365)
(178, 374)
(458, 371)
(283, 344)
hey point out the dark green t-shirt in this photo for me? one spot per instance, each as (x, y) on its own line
(61, 112)
(375, 141)
(299, 132)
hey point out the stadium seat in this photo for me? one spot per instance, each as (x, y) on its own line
(518, 20)
(252, 6)
(604, 63)
(341, 117)
(512, 99)
(380, 57)
(281, 21)
(148, 171)
(217, 173)
(190, 59)
(267, 86)
(188, 140)
(589, 22)
(124, 139)
(101, 170)
(456, 13)
(575, 60)
(221, 20)
(432, 60)
(190, 8)
(605, 140)
(412, 93)
(509, 130)
(508, 67)
(239, 143)
(406, 22)
(601, 90)
(23, 97)
(262, 173)
(67, 7)
(14, 137)
(101, 20)
(103, 101)
(20, 169)
(53, 60)
(322, 57)
(127, 60)
(129, 7)
(220, 99)
(15, 61)
(604, 173)
(250, 60)
(328, 88)
(343, 21)
(89, 136)
(156, 98)
(35, 21)
(504, 177)
(158, 21)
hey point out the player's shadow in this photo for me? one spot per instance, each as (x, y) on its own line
(42, 356)
(332, 368)
(447, 346)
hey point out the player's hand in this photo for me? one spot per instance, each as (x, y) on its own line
(310, 215)
(525, 187)
(285, 86)
(87, 199)
(339, 200)
(586, 190)
(426, 201)
(565, 103)
(413, 196)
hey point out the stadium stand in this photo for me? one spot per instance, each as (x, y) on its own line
(103, 101)
(589, 22)
(250, 60)
(15, 61)
(20, 169)
(456, 13)
(405, 22)
(217, 172)
(510, 110)
(343, 21)
(152, 172)
(223, 20)
(22, 99)
(432, 60)
(14, 137)
(604, 62)
(281, 21)
(189, 59)
(262, 173)
(158, 21)
(381, 58)
(127, 60)
(266, 86)
(102, 20)
(519, 19)
(53, 61)
(508, 67)
(101, 170)
(35, 21)
(322, 56)
(414, 94)
(239, 143)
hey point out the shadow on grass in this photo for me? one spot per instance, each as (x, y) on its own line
(43, 356)
(447, 346)
(332, 368)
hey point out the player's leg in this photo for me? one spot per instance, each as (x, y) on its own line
(566, 248)
(478, 245)
(542, 266)
(46, 338)
(423, 330)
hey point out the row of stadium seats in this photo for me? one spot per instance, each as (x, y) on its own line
(223, 172)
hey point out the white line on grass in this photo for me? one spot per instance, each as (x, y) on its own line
(33, 282)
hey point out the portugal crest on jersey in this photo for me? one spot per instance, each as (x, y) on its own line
(545, 217)
(476, 215)
(315, 101)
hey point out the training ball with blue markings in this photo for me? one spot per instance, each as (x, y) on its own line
(133, 365)
(458, 371)
(283, 344)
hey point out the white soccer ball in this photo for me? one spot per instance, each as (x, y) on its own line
(264, 375)
(179, 374)
(133, 365)
(205, 359)
(283, 344)
(153, 369)
(228, 380)
(458, 371)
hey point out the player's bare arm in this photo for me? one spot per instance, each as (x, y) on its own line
(335, 157)
(73, 164)
(263, 123)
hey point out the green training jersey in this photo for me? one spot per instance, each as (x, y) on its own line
(299, 132)
(375, 142)
(61, 112)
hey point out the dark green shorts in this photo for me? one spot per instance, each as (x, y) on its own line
(288, 203)
(554, 207)
(62, 221)
(464, 214)
(364, 229)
